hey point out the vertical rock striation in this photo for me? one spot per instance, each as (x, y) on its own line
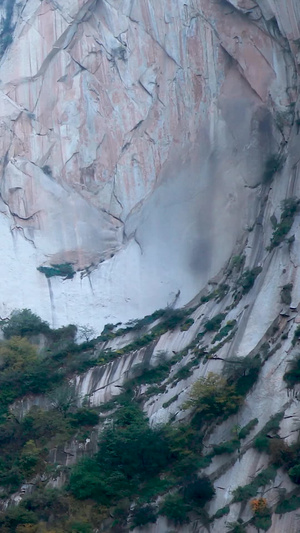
(134, 141)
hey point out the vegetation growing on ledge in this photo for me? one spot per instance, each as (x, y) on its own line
(241, 494)
(214, 323)
(24, 322)
(224, 331)
(63, 270)
(248, 278)
(135, 463)
(213, 397)
(292, 376)
(286, 294)
(287, 505)
(290, 207)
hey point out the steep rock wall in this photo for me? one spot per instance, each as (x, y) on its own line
(133, 138)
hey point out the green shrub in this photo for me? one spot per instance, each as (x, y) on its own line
(175, 509)
(262, 441)
(229, 446)
(292, 376)
(45, 503)
(187, 324)
(130, 452)
(170, 401)
(184, 372)
(85, 417)
(213, 397)
(64, 270)
(294, 474)
(224, 331)
(248, 278)
(237, 262)
(296, 336)
(221, 512)
(241, 494)
(16, 516)
(262, 522)
(244, 432)
(288, 505)
(286, 294)
(290, 207)
(143, 515)
(199, 491)
(24, 322)
(214, 323)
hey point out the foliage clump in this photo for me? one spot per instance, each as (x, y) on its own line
(213, 397)
(248, 278)
(24, 322)
(292, 375)
(175, 509)
(290, 207)
(192, 497)
(286, 294)
(143, 515)
(224, 331)
(288, 505)
(214, 323)
(241, 494)
(63, 270)
(129, 452)
(267, 433)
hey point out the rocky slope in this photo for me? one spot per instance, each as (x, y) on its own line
(147, 146)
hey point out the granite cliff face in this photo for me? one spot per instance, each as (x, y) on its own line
(146, 144)
(134, 140)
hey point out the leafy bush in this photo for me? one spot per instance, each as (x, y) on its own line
(290, 207)
(175, 509)
(17, 516)
(241, 494)
(296, 336)
(226, 447)
(187, 324)
(184, 372)
(288, 505)
(130, 452)
(214, 323)
(213, 397)
(294, 474)
(221, 512)
(64, 270)
(44, 503)
(143, 515)
(292, 376)
(248, 278)
(286, 294)
(224, 331)
(170, 401)
(24, 322)
(244, 432)
(262, 514)
(262, 441)
(199, 491)
(85, 417)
